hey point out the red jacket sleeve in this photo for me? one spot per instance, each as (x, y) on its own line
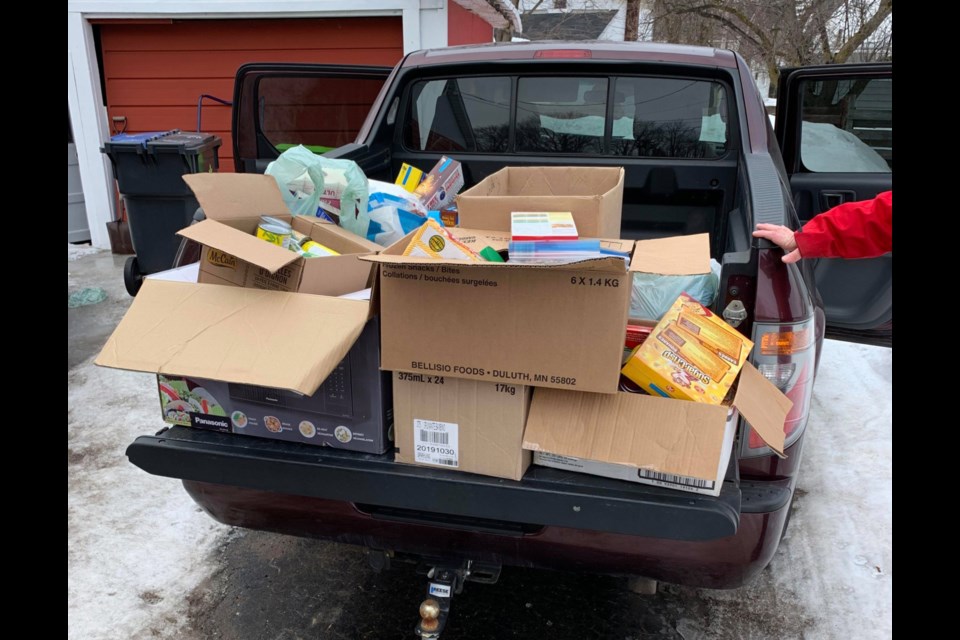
(852, 230)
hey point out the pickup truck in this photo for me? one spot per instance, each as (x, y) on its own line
(700, 155)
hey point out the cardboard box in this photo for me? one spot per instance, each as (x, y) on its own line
(594, 195)
(692, 354)
(651, 440)
(559, 326)
(465, 425)
(351, 410)
(441, 185)
(232, 255)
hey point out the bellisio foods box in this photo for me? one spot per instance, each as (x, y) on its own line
(560, 326)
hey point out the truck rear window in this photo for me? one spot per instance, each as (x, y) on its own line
(640, 116)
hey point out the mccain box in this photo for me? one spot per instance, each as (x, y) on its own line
(233, 255)
(670, 443)
(462, 425)
(594, 195)
(350, 410)
(559, 326)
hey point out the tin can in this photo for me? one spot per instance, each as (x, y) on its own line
(274, 234)
(275, 221)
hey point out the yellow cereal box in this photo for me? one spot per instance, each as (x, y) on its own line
(432, 241)
(692, 354)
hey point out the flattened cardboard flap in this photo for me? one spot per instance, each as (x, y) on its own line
(657, 434)
(763, 405)
(242, 245)
(234, 334)
(677, 255)
(227, 196)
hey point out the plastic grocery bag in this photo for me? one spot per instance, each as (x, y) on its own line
(394, 212)
(299, 175)
(339, 186)
(654, 293)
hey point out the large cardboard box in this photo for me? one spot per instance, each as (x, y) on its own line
(652, 440)
(233, 255)
(560, 326)
(464, 425)
(594, 195)
(351, 410)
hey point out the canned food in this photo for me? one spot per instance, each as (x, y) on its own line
(275, 221)
(272, 233)
(298, 237)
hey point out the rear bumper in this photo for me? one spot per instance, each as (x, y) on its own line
(724, 563)
(551, 518)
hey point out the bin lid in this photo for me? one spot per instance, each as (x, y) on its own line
(184, 141)
(138, 138)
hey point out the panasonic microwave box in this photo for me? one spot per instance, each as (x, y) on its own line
(351, 410)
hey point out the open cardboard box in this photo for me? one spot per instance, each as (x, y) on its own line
(233, 255)
(560, 326)
(677, 444)
(594, 195)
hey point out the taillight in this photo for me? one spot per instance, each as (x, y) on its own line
(785, 355)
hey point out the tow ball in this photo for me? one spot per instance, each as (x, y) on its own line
(444, 581)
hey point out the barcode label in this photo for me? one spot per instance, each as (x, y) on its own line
(434, 438)
(436, 442)
(668, 479)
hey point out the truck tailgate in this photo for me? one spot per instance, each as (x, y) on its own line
(545, 497)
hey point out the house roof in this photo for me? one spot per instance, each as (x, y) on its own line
(571, 25)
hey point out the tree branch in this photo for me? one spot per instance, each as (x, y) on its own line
(864, 32)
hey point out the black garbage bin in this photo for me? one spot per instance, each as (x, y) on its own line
(149, 169)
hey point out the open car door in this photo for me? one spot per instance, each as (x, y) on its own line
(834, 126)
(280, 105)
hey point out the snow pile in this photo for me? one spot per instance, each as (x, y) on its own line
(77, 251)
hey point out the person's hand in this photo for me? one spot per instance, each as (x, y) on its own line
(782, 237)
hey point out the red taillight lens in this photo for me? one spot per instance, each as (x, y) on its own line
(564, 53)
(784, 357)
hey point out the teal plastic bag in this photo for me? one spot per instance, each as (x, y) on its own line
(312, 183)
(299, 174)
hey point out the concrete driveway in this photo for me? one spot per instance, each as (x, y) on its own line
(145, 562)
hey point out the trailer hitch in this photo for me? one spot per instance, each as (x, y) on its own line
(446, 580)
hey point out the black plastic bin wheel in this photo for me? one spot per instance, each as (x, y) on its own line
(132, 278)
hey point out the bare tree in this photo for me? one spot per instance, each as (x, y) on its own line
(631, 27)
(775, 33)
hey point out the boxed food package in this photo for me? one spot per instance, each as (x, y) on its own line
(557, 326)
(652, 440)
(464, 425)
(351, 409)
(692, 354)
(409, 177)
(593, 196)
(233, 255)
(441, 185)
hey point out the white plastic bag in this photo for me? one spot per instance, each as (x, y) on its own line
(653, 293)
(394, 212)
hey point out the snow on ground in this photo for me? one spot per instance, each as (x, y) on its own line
(137, 543)
(77, 251)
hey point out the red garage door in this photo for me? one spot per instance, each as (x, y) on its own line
(155, 72)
